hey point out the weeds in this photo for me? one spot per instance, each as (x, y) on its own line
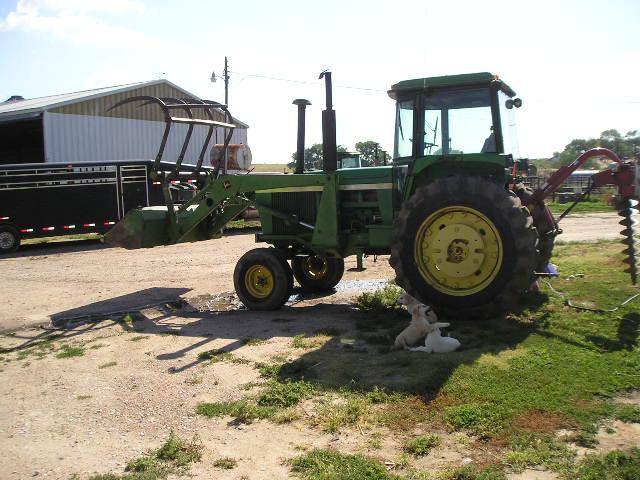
(306, 342)
(215, 356)
(612, 466)
(534, 449)
(380, 300)
(286, 394)
(225, 463)
(108, 364)
(67, 351)
(627, 413)
(252, 341)
(422, 445)
(173, 457)
(137, 338)
(243, 411)
(329, 464)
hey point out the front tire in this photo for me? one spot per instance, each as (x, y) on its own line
(461, 243)
(317, 274)
(262, 279)
(9, 239)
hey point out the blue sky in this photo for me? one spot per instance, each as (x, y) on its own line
(575, 64)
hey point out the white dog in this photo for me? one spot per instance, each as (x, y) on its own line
(421, 318)
(409, 302)
(435, 342)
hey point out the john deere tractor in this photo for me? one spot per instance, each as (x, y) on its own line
(461, 233)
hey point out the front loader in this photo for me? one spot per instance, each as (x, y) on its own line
(462, 233)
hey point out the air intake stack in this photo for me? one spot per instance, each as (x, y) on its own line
(329, 143)
(302, 106)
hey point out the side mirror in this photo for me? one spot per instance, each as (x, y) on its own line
(516, 102)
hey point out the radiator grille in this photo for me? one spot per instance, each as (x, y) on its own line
(302, 204)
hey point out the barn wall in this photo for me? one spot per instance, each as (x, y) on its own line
(137, 110)
(84, 138)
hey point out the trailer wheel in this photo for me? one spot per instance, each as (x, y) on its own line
(464, 244)
(262, 280)
(9, 239)
(318, 274)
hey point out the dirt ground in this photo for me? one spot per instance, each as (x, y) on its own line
(74, 278)
(135, 382)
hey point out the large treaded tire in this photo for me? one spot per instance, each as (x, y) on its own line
(513, 224)
(322, 282)
(265, 264)
(546, 241)
(9, 239)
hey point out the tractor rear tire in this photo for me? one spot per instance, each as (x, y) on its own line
(317, 274)
(546, 241)
(262, 279)
(465, 245)
(9, 239)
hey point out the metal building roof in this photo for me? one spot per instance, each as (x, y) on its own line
(33, 107)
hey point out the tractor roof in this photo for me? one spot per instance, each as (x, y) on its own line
(463, 80)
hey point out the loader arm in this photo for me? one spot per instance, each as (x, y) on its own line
(220, 200)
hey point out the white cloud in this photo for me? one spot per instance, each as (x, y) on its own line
(78, 21)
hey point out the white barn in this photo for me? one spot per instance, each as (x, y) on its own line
(76, 127)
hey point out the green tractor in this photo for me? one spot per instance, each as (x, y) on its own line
(448, 210)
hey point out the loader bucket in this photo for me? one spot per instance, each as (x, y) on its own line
(140, 228)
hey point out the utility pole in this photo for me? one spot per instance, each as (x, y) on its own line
(226, 102)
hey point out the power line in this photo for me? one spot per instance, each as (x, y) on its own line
(304, 82)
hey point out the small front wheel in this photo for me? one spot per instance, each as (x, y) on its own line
(9, 239)
(261, 279)
(317, 274)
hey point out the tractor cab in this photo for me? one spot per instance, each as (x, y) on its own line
(453, 115)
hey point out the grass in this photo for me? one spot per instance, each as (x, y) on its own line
(67, 351)
(306, 342)
(333, 465)
(535, 449)
(61, 238)
(422, 445)
(592, 205)
(172, 458)
(252, 341)
(380, 300)
(216, 355)
(108, 365)
(616, 465)
(627, 413)
(243, 225)
(243, 411)
(273, 403)
(225, 463)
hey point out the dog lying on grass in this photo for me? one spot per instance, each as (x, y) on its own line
(421, 318)
(435, 342)
(423, 322)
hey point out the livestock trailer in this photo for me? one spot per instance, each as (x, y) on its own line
(51, 199)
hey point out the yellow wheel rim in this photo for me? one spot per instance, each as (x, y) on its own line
(315, 267)
(458, 251)
(259, 281)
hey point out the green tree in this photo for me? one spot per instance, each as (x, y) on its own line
(371, 154)
(624, 145)
(312, 157)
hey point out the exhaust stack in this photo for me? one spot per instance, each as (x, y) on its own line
(302, 106)
(329, 143)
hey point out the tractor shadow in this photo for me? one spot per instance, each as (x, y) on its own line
(333, 344)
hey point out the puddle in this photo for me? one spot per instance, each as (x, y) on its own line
(228, 301)
(221, 302)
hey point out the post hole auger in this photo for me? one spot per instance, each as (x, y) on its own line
(622, 174)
